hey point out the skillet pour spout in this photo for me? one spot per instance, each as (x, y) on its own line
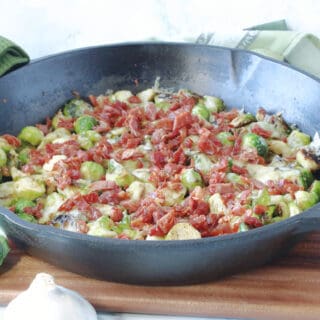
(243, 79)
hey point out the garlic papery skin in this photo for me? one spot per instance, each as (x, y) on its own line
(44, 300)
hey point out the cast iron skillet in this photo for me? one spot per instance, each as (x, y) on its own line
(242, 79)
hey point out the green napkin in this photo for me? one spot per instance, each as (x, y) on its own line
(11, 56)
(274, 40)
(4, 249)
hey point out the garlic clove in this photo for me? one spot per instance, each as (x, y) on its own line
(46, 300)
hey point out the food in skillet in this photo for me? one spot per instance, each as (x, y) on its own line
(158, 165)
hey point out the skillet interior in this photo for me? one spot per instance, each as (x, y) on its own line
(242, 79)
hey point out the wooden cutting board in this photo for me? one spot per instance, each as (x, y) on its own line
(289, 288)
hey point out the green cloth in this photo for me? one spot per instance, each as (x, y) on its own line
(274, 40)
(11, 56)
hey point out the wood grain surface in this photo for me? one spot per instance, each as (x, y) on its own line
(289, 288)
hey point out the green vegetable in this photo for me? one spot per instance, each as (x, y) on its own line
(119, 174)
(243, 227)
(315, 187)
(213, 104)
(202, 163)
(305, 200)
(102, 227)
(234, 178)
(242, 119)
(4, 145)
(298, 139)
(91, 171)
(31, 135)
(263, 198)
(4, 249)
(201, 111)
(307, 159)
(146, 95)
(3, 158)
(23, 155)
(164, 105)
(305, 178)
(84, 123)
(122, 95)
(23, 203)
(183, 231)
(254, 141)
(75, 108)
(27, 217)
(216, 204)
(28, 188)
(224, 138)
(191, 178)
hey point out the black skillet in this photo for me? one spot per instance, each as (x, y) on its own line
(242, 79)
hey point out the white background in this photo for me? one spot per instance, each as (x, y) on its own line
(43, 27)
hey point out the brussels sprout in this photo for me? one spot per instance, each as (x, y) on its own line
(92, 171)
(4, 145)
(173, 194)
(202, 163)
(7, 189)
(23, 155)
(75, 108)
(146, 95)
(254, 141)
(183, 231)
(280, 147)
(136, 190)
(216, 204)
(87, 139)
(162, 101)
(142, 174)
(164, 105)
(23, 203)
(122, 95)
(3, 158)
(48, 166)
(262, 198)
(191, 178)
(305, 200)
(201, 111)
(305, 178)
(51, 206)
(298, 139)
(27, 217)
(130, 165)
(28, 188)
(243, 227)
(234, 178)
(224, 138)
(213, 104)
(102, 227)
(308, 159)
(84, 123)
(32, 135)
(242, 119)
(315, 187)
(293, 209)
(120, 175)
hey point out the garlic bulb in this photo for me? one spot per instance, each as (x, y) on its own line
(44, 300)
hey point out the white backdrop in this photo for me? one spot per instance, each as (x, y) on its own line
(43, 27)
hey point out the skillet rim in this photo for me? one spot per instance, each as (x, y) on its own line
(42, 230)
